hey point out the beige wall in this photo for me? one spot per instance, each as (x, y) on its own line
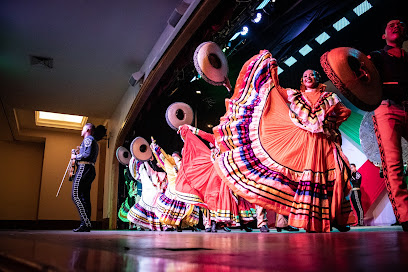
(115, 125)
(20, 168)
(57, 154)
(31, 175)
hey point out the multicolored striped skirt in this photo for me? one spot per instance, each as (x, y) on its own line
(174, 212)
(144, 215)
(271, 162)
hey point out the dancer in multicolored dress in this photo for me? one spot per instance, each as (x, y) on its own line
(143, 213)
(170, 210)
(287, 159)
(132, 195)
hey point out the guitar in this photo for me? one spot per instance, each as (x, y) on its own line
(73, 165)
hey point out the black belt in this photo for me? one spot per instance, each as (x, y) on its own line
(86, 162)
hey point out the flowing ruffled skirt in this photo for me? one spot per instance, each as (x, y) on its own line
(174, 212)
(268, 160)
(198, 184)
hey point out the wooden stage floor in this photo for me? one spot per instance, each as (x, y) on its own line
(361, 249)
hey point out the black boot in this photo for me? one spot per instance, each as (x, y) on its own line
(405, 226)
(82, 228)
(287, 228)
(246, 228)
(341, 228)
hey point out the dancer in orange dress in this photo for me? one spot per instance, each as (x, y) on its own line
(287, 159)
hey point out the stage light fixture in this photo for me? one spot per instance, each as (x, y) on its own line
(257, 18)
(244, 30)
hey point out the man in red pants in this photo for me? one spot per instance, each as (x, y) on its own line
(391, 117)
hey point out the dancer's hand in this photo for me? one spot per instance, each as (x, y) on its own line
(274, 62)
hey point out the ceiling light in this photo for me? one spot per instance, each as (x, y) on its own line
(290, 61)
(263, 4)
(363, 7)
(59, 120)
(280, 70)
(305, 50)
(198, 92)
(340, 24)
(322, 38)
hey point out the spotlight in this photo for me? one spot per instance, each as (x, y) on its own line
(244, 31)
(257, 18)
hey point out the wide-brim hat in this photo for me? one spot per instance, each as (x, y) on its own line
(123, 155)
(178, 114)
(140, 149)
(133, 168)
(211, 63)
(354, 75)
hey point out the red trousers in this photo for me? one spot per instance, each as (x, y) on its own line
(391, 124)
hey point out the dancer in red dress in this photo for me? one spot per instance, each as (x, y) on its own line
(198, 183)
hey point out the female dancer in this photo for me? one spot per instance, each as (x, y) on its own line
(143, 213)
(198, 183)
(170, 210)
(287, 159)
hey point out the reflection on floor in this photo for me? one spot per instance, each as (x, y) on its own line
(361, 249)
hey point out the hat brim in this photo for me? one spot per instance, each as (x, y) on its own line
(354, 75)
(211, 63)
(179, 108)
(123, 155)
(140, 149)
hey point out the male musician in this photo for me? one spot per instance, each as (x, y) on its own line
(355, 196)
(85, 174)
(391, 117)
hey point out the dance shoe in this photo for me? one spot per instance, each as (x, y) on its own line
(287, 228)
(195, 229)
(247, 229)
(340, 228)
(213, 226)
(82, 228)
(227, 229)
(405, 226)
(264, 228)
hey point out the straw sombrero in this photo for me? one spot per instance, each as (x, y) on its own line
(140, 149)
(123, 155)
(211, 63)
(178, 114)
(354, 75)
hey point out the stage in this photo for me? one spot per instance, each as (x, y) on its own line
(361, 249)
